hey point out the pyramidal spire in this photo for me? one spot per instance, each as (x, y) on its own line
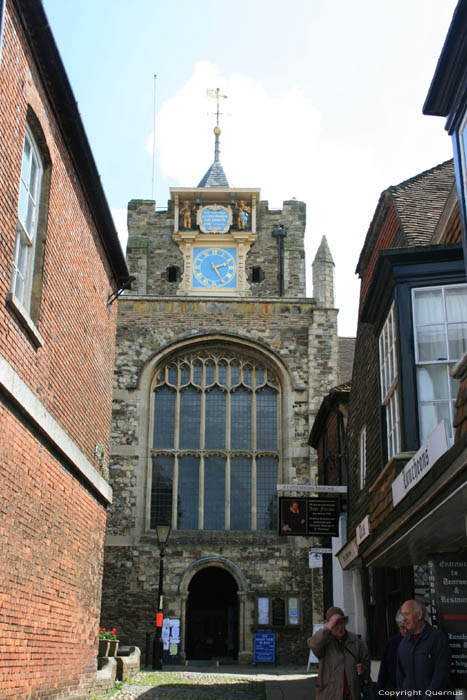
(215, 176)
(323, 275)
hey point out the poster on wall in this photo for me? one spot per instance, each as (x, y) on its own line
(448, 592)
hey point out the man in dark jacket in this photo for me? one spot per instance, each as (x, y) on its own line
(423, 660)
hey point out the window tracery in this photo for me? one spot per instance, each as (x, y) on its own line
(216, 447)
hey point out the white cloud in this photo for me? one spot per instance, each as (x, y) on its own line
(282, 144)
(120, 221)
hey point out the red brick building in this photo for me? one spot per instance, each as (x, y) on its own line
(60, 263)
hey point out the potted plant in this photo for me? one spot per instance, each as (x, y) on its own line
(103, 642)
(113, 642)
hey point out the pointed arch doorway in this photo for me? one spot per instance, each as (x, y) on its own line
(212, 615)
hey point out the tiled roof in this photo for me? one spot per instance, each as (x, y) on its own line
(215, 177)
(420, 202)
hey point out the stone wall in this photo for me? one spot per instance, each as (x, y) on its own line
(151, 250)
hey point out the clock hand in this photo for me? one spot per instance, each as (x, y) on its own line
(214, 267)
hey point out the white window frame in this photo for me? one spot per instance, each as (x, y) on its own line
(25, 243)
(447, 362)
(462, 147)
(362, 443)
(387, 344)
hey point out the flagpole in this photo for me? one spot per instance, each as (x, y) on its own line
(154, 145)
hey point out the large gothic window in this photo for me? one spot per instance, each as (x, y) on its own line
(215, 445)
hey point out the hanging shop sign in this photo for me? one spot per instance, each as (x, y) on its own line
(348, 553)
(420, 464)
(308, 516)
(363, 530)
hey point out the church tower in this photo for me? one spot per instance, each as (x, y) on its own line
(222, 363)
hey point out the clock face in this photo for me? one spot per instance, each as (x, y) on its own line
(214, 267)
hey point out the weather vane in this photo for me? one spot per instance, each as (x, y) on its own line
(216, 94)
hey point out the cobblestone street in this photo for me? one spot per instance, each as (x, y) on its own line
(248, 684)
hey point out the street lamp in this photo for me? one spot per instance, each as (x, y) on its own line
(162, 532)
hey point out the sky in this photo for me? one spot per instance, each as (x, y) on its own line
(323, 103)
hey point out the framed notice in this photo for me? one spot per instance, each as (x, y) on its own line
(309, 516)
(448, 593)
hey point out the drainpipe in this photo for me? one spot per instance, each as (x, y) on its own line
(280, 233)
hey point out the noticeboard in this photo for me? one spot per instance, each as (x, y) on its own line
(448, 592)
(316, 516)
(264, 648)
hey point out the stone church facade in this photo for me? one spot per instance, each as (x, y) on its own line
(222, 363)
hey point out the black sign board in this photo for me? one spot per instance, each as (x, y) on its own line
(448, 591)
(309, 516)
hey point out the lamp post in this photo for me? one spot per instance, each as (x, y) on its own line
(162, 532)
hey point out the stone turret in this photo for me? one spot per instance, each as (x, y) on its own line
(323, 275)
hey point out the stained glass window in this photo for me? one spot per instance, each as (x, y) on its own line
(216, 417)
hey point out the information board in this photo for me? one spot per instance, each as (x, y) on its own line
(448, 590)
(309, 516)
(264, 648)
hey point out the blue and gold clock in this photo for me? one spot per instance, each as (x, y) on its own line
(214, 267)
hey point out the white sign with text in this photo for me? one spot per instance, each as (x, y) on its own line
(420, 464)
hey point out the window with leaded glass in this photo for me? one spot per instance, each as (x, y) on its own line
(215, 442)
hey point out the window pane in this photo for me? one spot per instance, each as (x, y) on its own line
(214, 493)
(26, 161)
(234, 373)
(456, 304)
(259, 376)
(23, 206)
(209, 374)
(429, 306)
(184, 375)
(164, 418)
(190, 415)
(240, 493)
(215, 419)
(457, 339)
(197, 373)
(433, 382)
(431, 414)
(266, 419)
(247, 375)
(161, 490)
(240, 420)
(222, 373)
(431, 342)
(188, 489)
(266, 500)
(173, 376)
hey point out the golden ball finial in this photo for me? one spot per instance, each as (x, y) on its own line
(217, 130)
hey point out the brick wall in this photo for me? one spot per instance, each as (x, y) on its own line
(51, 561)
(72, 372)
(55, 405)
